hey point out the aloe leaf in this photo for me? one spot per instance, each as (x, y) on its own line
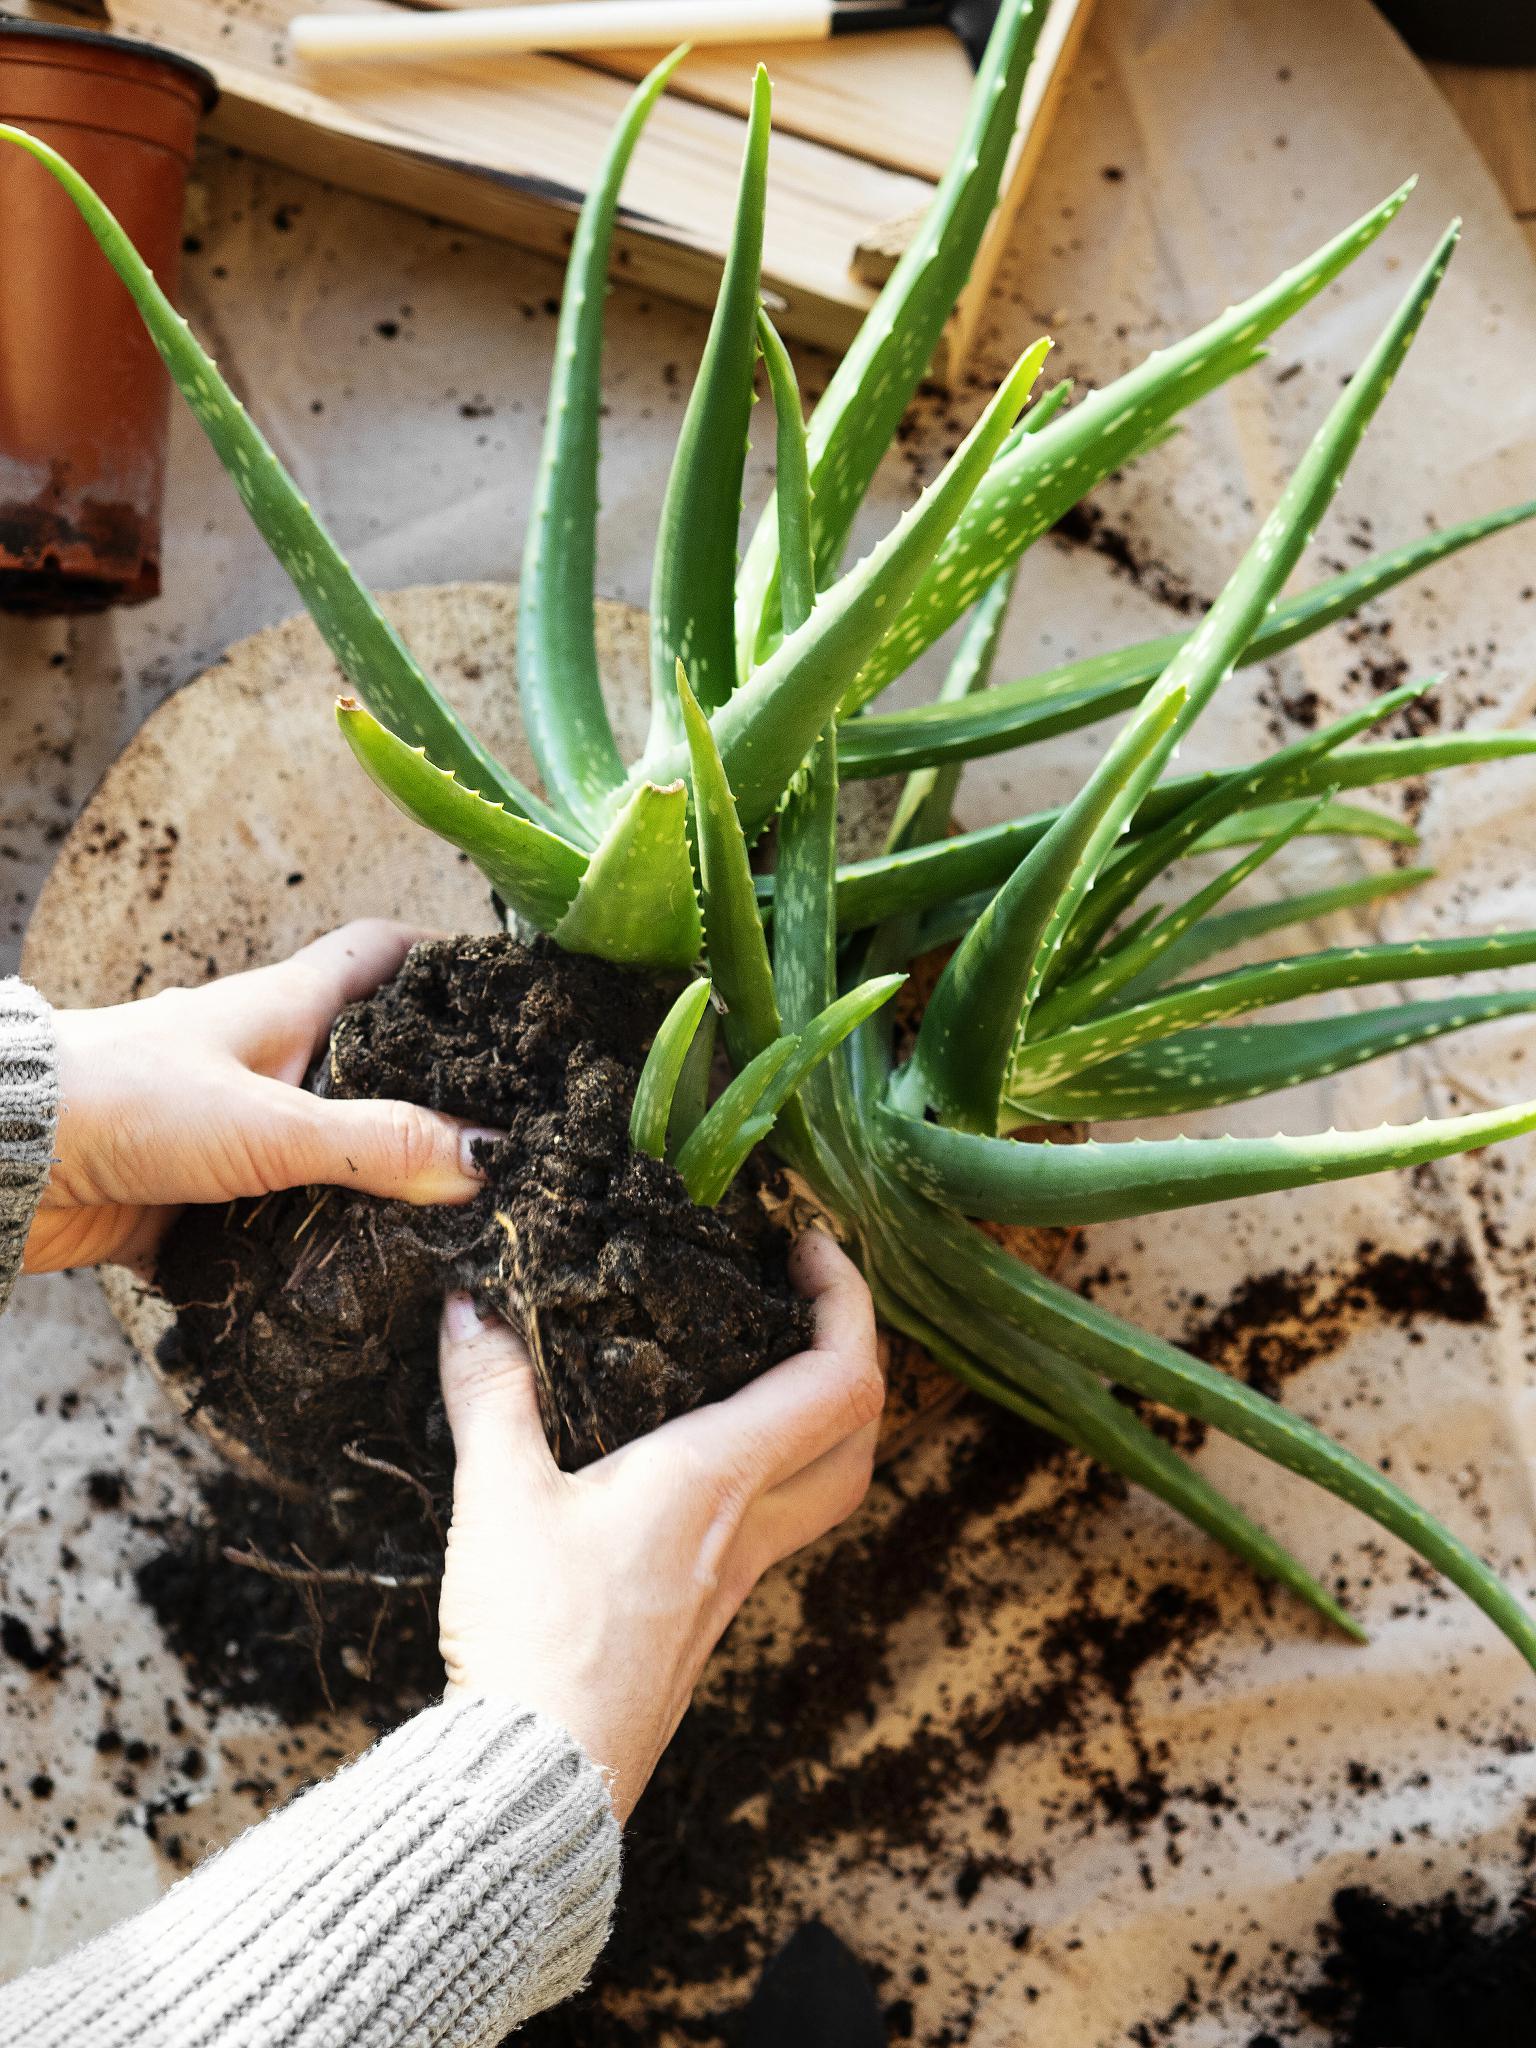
(924, 877)
(651, 1115)
(738, 952)
(1209, 656)
(792, 487)
(536, 873)
(928, 799)
(636, 904)
(373, 657)
(1023, 497)
(888, 744)
(1332, 819)
(1046, 1061)
(960, 1062)
(1134, 1359)
(1227, 805)
(816, 1043)
(694, 574)
(560, 683)
(1235, 1062)
(1213, 936)
(1378, 761)
(1079, 693)
(690, 1098)
(766, 729)
(705, 1160)
(815, 1130)
(1097, 1183)
(804, 930)
(852, 426)
(1109, 972)
(1055, 1394)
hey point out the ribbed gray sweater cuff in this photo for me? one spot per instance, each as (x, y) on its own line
(455, 1879)
(29, 1113)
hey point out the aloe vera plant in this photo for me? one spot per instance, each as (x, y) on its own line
(1069, 997)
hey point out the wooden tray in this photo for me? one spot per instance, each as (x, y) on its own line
(864, 128)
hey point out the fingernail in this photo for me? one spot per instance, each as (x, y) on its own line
(461, 1319)
(468, 1140)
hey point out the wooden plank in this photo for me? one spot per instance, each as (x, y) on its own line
(1497, 107)
(865, 107)
(1498, 110)
(509, 146)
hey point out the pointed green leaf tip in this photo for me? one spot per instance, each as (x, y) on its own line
(535, 872)
(1095, 1183)
(693, 578)
(663, 1069)
(636, 904)
(560, 686)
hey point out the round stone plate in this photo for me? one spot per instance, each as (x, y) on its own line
(234, 827)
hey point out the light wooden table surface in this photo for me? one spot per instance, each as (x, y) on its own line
(1498, 110)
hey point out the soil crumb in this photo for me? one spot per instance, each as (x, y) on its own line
(1452, 1969)
(307, 1322)
(1277, 1323)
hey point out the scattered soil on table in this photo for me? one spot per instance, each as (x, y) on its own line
(767, 1771)
(760, 1775)
(1277, 1323)
(307, 1323)
(1452, 1969)
(1086, 526)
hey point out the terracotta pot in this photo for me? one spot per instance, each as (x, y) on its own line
(83, 395)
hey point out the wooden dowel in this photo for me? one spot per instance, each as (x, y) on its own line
(557, 25)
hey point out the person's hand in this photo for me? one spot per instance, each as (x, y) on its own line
(597, 1595)
(193, 1095)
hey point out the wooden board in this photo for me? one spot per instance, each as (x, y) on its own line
(864, 127)
(1497, 107)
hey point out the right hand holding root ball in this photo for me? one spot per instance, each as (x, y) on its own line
(597, 1596)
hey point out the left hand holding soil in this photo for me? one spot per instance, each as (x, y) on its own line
(597, 1595)
(196, 1095)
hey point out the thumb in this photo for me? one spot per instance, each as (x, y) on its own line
(489, 1391)
(394, 1149)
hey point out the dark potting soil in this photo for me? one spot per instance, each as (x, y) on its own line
(1450, 1970)
(306, 1323)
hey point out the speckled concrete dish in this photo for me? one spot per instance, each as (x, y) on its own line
(233, 828)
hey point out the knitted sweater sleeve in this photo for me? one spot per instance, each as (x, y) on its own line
(457, 1878)
(29, 1110)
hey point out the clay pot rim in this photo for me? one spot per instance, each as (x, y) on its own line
(170, 60)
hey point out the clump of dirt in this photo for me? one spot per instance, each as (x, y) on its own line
(1451, 1969)
(1085, 526)
(1277, 1323)
(306, 1323)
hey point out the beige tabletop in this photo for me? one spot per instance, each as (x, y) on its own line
(399, 366)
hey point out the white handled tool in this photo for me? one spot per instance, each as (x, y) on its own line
(558, 25)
